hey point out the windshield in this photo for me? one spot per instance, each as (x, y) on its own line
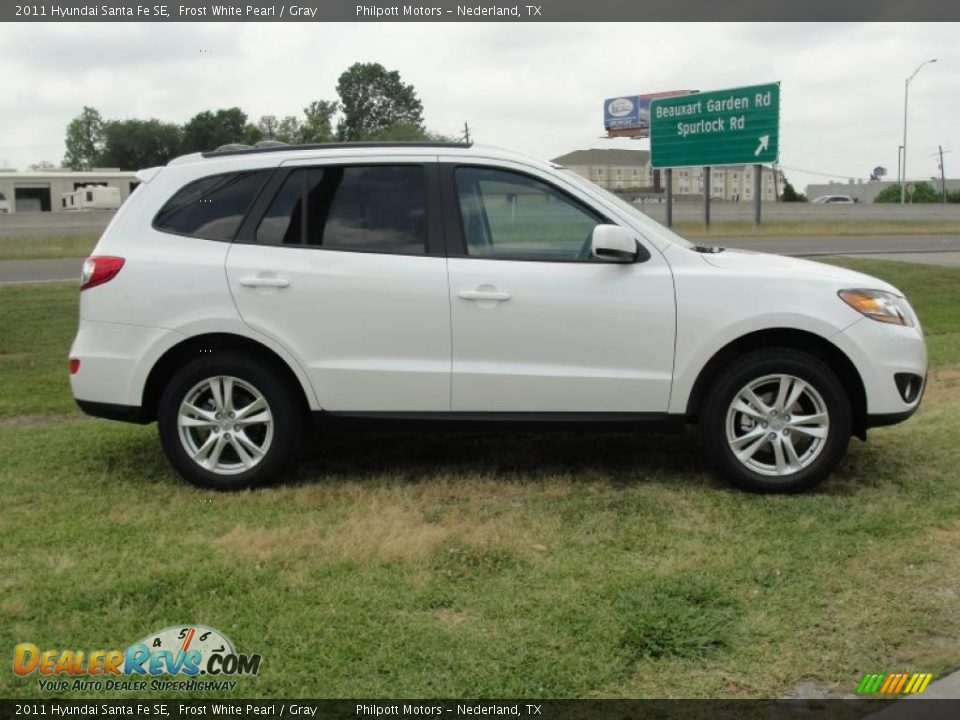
(627, 208)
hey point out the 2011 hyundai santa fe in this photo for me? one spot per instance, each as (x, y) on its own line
(241, 293)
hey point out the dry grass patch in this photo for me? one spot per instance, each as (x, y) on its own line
(451, 618)
(393, 528)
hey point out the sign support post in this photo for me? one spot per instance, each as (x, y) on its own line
(757, 192)
(669, 174)
(706, 197)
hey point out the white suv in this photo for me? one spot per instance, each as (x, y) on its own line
(241, 293)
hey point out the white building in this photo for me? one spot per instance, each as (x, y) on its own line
(613, 169)
(43, 191)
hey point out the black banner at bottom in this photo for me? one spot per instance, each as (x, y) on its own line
(912, 709)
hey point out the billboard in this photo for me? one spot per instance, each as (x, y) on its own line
(629, 115)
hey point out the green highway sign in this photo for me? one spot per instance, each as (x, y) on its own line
(740, 126)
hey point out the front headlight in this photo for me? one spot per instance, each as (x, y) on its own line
(879, 305)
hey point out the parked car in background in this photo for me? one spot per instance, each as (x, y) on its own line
(241, 294)
(833, 200)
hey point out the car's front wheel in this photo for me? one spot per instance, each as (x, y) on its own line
(776, 420)
(229, 422)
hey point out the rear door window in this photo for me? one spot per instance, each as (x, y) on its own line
(371, 208)
(213, 207)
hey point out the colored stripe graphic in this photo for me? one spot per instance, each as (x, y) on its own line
(927, 677)
(870, 683)
(894, 683)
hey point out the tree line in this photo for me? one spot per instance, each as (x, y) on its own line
(373, 104)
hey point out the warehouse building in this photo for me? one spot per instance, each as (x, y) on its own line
(45, 191)
(629, 170)
(867, 191)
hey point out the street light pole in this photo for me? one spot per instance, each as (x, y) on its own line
(906, 91)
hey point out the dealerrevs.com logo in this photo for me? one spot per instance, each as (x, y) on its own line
(187, 650)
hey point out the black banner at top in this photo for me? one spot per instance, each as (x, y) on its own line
(482, 11)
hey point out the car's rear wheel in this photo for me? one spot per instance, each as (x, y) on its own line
(229, 421)
(776, 420)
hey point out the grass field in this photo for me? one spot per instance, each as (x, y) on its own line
(48, 246)
(569, 565)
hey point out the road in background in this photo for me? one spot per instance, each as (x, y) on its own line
(931, 249)
(85, 222)
(692, 211)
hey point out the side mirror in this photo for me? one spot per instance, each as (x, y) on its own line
(614, 244)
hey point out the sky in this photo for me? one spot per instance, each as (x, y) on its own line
(535, 88)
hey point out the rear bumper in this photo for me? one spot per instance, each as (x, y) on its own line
(111, 411)
(114, 361)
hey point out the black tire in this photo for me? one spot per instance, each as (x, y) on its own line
(751, 368)
(283, 403)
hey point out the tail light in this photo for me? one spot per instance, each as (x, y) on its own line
(74, 366)
(99, 269)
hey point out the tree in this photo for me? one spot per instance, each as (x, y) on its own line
(923, 192)
(290, 130)
(267, 125)
(207, 130)
(372, 99)
(251, 135)
(790, 193)
(318, 127)
(136, 144)
(84, 140)
(406, 132)
(43, 165)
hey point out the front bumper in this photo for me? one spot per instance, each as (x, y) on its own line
(880, 352)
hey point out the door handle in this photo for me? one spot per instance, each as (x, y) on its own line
(484, 295)
(273, 282)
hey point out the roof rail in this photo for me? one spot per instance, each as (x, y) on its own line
(233, 147)
(261, 147)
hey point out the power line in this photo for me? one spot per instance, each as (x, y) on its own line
(27, 147)
(814, 172)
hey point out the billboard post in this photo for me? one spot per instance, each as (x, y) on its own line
(706, 197)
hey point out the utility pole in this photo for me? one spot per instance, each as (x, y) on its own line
(899, 156)
(943, 175)
(906, 93)
(466, 133)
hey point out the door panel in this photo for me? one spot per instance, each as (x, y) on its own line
(572, 337)
(372, 330)
(539, 326)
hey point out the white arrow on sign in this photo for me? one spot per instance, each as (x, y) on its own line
(764, 143)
